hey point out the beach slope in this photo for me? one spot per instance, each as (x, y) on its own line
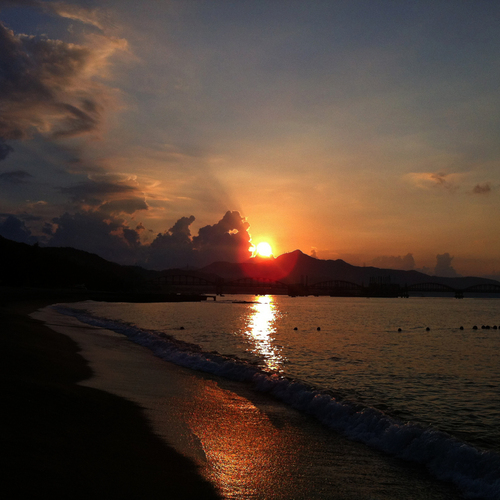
(69, 441)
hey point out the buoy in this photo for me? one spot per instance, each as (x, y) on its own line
(181, 328)
(494, 327)
(318, 328)
(461, 328)
(427, 329)
(295, 328)
(399, 330)
(474, 327)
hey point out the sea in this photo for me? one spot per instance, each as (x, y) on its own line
(417, 379)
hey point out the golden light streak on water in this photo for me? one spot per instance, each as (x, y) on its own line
(261, 330)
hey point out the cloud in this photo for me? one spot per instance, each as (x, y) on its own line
(13, 228)
(482, 188)
(94, 232)
(444, 267)
(128, 206)
(406, 263)
(15, 177)
(227, 240)
(173, 248)
(48, 86)
(428, 180)
(95, 17)
(110, 192)
(5, 150)
(112, 238)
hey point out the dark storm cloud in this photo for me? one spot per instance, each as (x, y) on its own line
(15, 177)
(13, 228)
(97, 233)
(228, 240)
(173, 248)
(112, 238)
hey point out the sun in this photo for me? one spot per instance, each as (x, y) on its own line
(264, 249)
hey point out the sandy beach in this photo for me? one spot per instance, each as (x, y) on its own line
(64, 440)
(92, 415)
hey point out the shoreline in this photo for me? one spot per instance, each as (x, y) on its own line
(239, 443)
(65, 439)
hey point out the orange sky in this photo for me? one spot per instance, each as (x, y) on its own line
(364, 130)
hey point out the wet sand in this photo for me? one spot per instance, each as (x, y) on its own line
(62, 440)
(244, 443)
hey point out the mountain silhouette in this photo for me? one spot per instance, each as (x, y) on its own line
(23, 265)
(296, 267)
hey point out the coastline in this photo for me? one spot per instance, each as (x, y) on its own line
(67, 440)
(222, 437)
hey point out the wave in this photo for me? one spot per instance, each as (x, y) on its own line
(475, 472)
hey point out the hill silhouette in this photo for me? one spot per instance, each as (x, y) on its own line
(23, 265)
(296, 267)
(48, 267)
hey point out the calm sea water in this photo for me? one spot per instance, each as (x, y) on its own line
(400, 375)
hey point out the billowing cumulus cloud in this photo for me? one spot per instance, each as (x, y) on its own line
(406, 263)
(444, 267)
(116, 239)
(227, 240)
(173, 248)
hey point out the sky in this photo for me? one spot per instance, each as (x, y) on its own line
(175, 133)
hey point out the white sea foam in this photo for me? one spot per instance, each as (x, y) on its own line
(475, 472)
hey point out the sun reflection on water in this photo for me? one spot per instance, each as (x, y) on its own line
(261, 332)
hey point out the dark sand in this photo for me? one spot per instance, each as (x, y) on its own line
(61, 440)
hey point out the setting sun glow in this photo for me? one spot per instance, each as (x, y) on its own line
(264, 249)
